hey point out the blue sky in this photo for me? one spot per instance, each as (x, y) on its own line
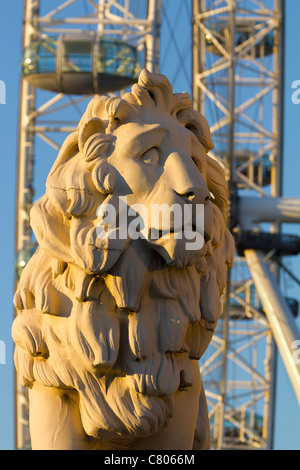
(287, 412)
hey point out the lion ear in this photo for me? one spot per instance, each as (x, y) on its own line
(68, 149)
(195, 122)
(89, 128)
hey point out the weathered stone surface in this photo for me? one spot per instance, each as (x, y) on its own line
(112, 317)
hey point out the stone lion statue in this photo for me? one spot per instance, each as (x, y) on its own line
(110, 329)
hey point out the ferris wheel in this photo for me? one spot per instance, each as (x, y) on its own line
(229, 55)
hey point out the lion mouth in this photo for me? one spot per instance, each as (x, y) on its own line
(180, 251)
(155, 235)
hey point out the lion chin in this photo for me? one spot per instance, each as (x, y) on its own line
(120, 323)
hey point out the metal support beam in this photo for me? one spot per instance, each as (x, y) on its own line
(279, 315)
(253, 211)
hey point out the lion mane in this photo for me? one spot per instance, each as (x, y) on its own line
(113, 319)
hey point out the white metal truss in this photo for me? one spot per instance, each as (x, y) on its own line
(238, 58)
(45, 116)
(248, 351)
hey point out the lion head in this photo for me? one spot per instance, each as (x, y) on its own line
(120, 318)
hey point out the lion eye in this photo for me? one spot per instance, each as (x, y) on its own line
(151, 157)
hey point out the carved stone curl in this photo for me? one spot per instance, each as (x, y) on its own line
(110, 329)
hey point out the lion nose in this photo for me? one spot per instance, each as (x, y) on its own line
(195, 195)
(187, 180)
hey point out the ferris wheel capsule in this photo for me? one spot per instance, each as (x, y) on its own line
(244, 32)
(80, 64)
